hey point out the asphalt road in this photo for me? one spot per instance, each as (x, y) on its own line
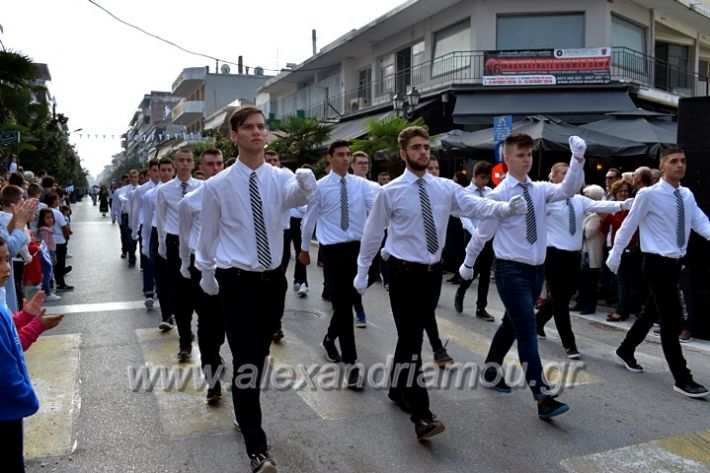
(96, 416)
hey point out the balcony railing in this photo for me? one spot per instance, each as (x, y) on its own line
(466, 67)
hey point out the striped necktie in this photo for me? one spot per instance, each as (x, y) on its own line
(344, 215)
(680, 214)
(262, 239)
(572, 217)
(432, 241)
(184, 188)
(480, 192)
(530, 224)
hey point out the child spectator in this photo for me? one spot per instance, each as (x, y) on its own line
(45, 232)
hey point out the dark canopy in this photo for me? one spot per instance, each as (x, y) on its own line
(548, 135)
(658, 134)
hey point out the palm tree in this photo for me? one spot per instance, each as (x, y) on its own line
(300, 138)
(16, 88)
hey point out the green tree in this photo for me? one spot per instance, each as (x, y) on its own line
(16, 89)
(381, 140)
(300, 139)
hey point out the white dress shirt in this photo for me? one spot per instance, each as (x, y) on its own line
(135, 214)
(124, 194)
(166, 206)
(510, 242)
(298, 212)
(189, 210)
(398, 209)
(470, 224)
(654, 213)
(558, 231)
(325, 210)
(149, 214)
(227, 237)
(59, 222)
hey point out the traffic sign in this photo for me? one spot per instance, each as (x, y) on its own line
(502, 127)
(9, 137)
(498, 173)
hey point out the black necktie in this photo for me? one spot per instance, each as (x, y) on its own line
(262, 239)
(680, 214)
(531, 225)
(572, 218)
(344, 216)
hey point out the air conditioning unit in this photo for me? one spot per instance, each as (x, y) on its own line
(354, 105)
(362, 103)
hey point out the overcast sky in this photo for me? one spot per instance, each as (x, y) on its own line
(101, 68)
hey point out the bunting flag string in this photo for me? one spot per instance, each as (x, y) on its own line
(147, 138)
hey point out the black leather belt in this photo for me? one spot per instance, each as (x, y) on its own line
(409, 266)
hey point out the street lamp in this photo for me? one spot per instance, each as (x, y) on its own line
(404, 104)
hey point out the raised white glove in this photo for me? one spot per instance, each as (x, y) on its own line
(626, 205)
(185, 271)
(209, 283)
(466, 272)
(613, 263)
(306, 180)
(578, 146)
(162, 251)
(360, 283)
(517, 206)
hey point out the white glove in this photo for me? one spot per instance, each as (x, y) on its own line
(306, 180)
(134, 235)
(209, 283)
(578, 146)
(162, 251)
(466, 272)
(626, 205)
(613, 263)
(360, 282)
(516, 206)
(185, 271)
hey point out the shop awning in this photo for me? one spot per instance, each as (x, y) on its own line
(571, 106)
(354, 128)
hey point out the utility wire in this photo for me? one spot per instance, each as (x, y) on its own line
(195, 53)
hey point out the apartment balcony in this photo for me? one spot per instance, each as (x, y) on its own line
(187, 112)
(189, 80)
(466, 68)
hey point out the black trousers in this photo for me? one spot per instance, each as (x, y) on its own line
(11, 446)
(341, 261)
(482, 269)
(160, 265)
(180, 290)
(561, 270)
(661, 274)
(414, 290)
(252, 304)
(18, 268)
(299, 272)
(60, 267)
(210, 324)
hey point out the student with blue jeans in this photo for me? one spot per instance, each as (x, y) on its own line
(520, 265)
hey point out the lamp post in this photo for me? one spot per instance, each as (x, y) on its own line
(404, 104)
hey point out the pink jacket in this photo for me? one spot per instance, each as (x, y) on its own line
(28, 327)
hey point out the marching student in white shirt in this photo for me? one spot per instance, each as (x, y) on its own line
(123, 195)
(116, 209)
(338, 211)
(565, 232)
(136, 225)
(239, 254)
(149, 244)
(664, 215)
(520, 246)
(360, 167)
(210, 326)
(415, 209)
(484, 262)
(166, 206)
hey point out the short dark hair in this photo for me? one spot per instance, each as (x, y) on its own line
(271, 152)
(482, 168)
(668, 151)
(615, 171)
(184, 150)
(383, 173)
(47, 182)
(153, 162)
(409, 133)
(11, 194)
(16, 179)
(165, 160)
(230, 161)
(521, 140)
(337, 144)
(211, 151)
(645, 175)
(34, 190)
(50, 197)
(240, 115)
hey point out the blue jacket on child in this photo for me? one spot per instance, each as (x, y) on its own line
(17, 397)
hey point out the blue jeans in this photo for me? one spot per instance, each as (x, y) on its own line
(519, 285)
